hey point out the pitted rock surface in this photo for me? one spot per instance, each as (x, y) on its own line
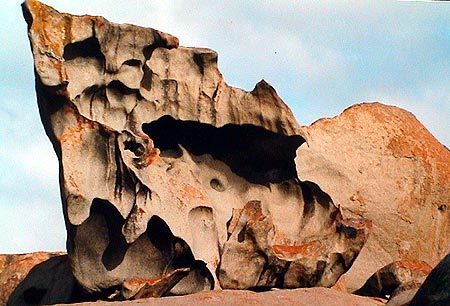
(164, 166)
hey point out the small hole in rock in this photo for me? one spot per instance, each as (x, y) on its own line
(442, 207)
(86, 48)
(132, 62)
(217, 185)
(241, 235)
(137, 148)
(172, 153)
(348, 231)
(286, 186)
(228, 228)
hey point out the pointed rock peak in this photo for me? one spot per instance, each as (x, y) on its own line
(36, 8)
(263, 87)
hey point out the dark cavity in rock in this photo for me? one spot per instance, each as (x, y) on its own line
(254, 153)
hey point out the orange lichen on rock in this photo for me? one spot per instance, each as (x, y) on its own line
(379, 162)
(313, 248)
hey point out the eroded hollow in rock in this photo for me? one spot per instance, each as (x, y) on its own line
(83, 49)
(156, 252)
(254, 153)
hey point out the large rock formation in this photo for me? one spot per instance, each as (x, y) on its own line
(164, 167)
(381, 163)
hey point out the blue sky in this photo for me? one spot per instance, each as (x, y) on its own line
(321, 57)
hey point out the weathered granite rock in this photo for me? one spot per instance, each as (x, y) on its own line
(35, 279)
(164, 166)
(379, 162)
(395, 278)
(291, 266)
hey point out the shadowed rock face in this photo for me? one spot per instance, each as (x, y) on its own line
(436, 288)
(395, 279)
(36, 279)
(164, 167)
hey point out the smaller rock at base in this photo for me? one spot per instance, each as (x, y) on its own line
(395, 278)
(436, 287)
(156, 287)
(35, 279)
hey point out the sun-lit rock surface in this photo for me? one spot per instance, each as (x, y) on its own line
(296, 297)
(381, 163)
